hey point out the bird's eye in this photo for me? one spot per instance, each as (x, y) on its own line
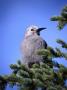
(32, 29)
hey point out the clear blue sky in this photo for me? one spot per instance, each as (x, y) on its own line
(16, 15)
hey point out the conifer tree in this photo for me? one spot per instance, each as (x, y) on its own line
(47, 75)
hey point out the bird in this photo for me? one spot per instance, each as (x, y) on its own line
(31, 43)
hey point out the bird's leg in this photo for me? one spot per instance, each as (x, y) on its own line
(31, 63)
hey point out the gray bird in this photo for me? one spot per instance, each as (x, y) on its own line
(31, 43)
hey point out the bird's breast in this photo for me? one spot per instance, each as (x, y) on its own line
(31, 45)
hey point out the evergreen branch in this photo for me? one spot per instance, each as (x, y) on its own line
(63, 44)
(60, 54)
(62, 19)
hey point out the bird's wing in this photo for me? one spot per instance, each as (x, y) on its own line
(40, 43)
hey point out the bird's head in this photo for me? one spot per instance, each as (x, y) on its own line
(33, 30)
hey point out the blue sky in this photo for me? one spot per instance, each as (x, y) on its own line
(16, 15)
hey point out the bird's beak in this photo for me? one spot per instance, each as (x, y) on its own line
(40, 29)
